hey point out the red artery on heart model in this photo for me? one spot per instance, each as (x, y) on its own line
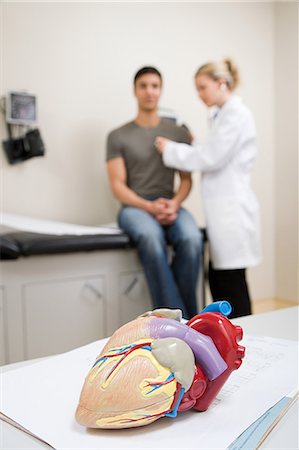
(226, 337)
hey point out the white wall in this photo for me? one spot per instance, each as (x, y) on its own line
(286, 162)
(79, 58)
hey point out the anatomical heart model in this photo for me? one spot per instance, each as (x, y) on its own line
(156, 366)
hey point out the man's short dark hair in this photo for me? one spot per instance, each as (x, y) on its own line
(145, 70)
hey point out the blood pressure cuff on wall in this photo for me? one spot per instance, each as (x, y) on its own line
(25, 147)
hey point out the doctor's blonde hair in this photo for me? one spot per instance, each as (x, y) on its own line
(226, 70)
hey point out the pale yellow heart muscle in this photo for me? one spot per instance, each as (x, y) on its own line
(127, 386)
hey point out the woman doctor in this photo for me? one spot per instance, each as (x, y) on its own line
(225, 161)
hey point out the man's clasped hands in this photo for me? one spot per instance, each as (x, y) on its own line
(164, 210)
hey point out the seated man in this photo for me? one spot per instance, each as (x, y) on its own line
(151, 212)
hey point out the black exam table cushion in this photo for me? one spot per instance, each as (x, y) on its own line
(9, 248)
(24, 243)
(28, 243)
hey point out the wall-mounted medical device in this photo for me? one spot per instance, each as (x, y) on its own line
(21, 108)
(24, 139)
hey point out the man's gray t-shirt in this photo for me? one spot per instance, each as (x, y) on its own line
(146, 173)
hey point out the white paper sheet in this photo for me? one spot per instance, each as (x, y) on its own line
(10, 222)
(43, 397)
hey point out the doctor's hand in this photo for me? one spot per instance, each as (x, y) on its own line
(160, 143)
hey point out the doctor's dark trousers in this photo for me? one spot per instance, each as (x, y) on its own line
(230, 285)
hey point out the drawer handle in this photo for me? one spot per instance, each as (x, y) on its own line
(93, 289)
(131, 285)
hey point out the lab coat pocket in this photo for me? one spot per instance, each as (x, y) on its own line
(250, 223)
(224, 231)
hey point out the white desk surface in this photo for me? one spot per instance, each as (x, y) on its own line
(282, 324)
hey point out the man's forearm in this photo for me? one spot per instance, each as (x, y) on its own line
(128, 197)
(184, 189)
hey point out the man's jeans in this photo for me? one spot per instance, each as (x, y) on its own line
(171, 285)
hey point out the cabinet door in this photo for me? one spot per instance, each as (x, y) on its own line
(2, 330)
(134, 296)
(62, 315)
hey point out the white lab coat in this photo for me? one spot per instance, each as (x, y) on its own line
(225, 161)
